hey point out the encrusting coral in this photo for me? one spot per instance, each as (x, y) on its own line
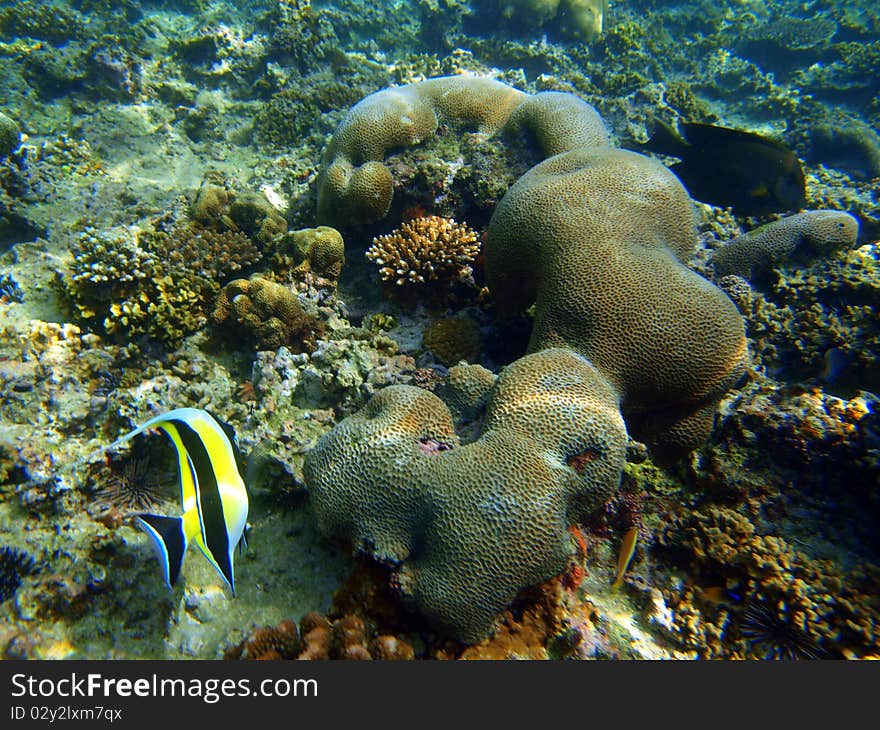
(836, 612)
(596, 238)
(429, 248)
(814, 231)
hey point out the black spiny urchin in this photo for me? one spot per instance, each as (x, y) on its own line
(772, 634)
(14, 565)
(133, 486)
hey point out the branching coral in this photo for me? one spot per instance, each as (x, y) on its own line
(426, 249)
(159, 280)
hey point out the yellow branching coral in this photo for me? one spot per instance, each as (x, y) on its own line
(430, 248)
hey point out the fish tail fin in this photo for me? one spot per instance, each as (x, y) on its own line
(170, 541)
(666, 141)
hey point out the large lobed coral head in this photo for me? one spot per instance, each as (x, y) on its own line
(466, 527)
(355, 186)
(596, 238)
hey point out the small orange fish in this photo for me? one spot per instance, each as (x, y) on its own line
(714, 594)
(627, 550)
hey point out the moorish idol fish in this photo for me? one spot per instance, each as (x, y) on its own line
(731, 168)
(213, 495)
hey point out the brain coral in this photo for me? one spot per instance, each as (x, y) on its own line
(356, 187)
(813, 231)
(596, 238)
(467, 526)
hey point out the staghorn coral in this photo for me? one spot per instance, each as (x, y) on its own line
(270, 313)
(356, 187)
(814, 232)
(426, 249)
(552, 436)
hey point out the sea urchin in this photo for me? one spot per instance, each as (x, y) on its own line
(14, 565)
(772, 634)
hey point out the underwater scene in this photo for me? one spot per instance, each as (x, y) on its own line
(440, 329)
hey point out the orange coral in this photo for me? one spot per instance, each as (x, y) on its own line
(426, 249)
(269, 642)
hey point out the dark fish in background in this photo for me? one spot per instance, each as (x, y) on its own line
(729, 168)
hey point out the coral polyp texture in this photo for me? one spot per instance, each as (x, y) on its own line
(813, 232)
(429, 248)
(356, 187)
(596, 239)
(268, 312)
(466, 527)
(319, 251)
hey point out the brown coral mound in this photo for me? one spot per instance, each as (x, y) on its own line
(452, 339)
(268, 312)
(430, 248)
(596, 238)
(836, 612)
(378, 479)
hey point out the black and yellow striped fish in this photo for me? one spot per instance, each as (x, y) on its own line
(213, 495)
